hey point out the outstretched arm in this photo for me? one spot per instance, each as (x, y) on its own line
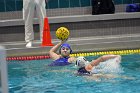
(53, 50)
(103, 58)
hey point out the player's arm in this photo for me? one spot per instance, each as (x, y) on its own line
(54, 49)
(103, 58)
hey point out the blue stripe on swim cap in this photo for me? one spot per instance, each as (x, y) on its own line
(65, 45)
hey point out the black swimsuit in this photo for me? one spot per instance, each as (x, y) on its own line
(83, 71)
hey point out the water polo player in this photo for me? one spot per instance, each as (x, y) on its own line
(89, 68)
(63, 58)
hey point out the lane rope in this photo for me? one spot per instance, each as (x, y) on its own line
(41, 57)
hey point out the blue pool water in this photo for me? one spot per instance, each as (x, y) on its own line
(36, 77)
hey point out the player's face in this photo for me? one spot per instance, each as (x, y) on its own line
(65, 51)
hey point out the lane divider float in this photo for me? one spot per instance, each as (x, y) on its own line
(117, 52)
(23, 58)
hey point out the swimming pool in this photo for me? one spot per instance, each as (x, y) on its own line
(36, 77)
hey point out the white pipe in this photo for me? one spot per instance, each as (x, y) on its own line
(3, 69)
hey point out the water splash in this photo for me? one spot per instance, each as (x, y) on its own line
(112, 66)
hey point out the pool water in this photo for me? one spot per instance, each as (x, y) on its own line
(36, 77)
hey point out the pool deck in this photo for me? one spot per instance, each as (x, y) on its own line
(84, 44)
(94, 33)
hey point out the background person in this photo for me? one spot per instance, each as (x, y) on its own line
(29, 6)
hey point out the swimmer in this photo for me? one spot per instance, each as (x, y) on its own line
(63, 58)
(88, 68)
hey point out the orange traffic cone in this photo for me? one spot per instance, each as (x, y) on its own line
(46, 39)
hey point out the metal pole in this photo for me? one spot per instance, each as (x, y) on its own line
(3, 70)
